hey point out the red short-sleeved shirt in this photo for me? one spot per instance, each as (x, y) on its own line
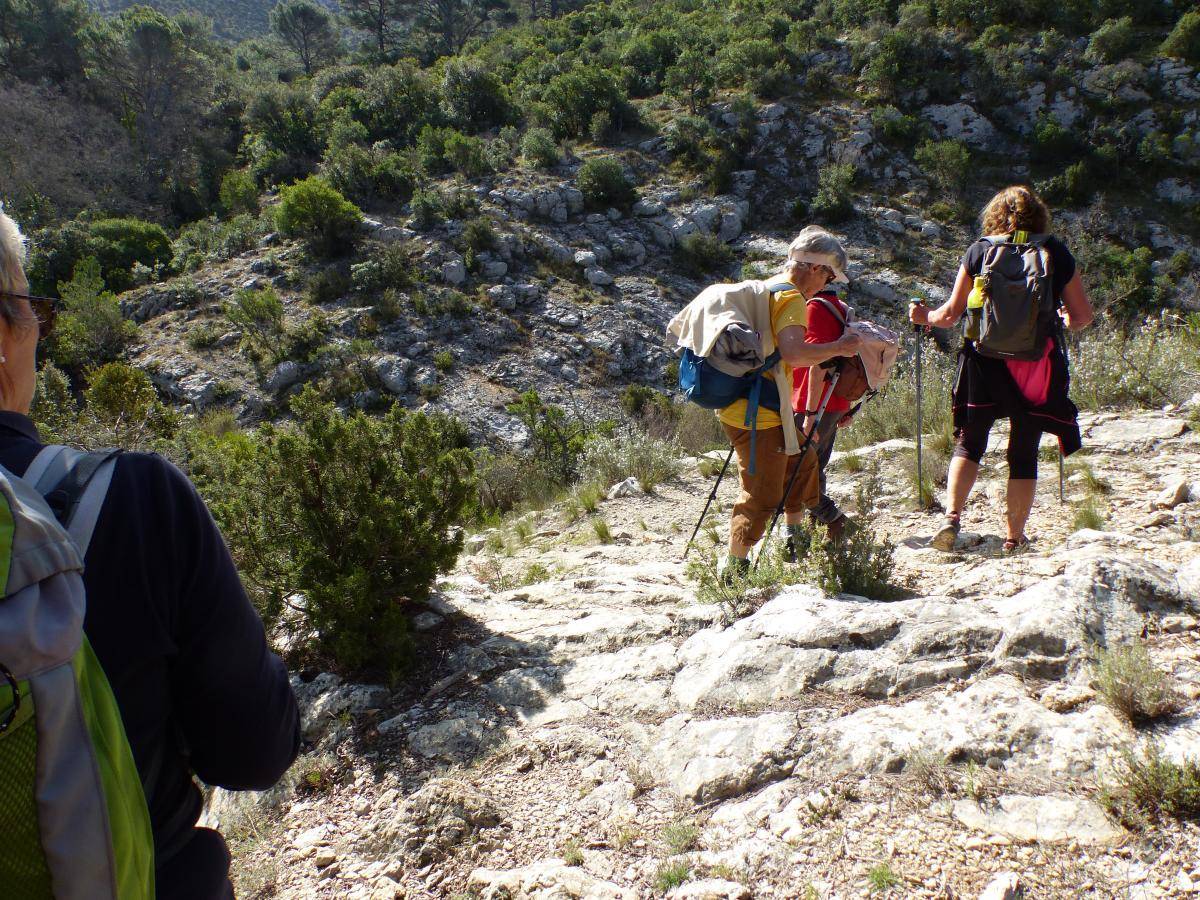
(823, 328)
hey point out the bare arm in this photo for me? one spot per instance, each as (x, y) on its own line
(946, 315)
(1077, 310)
(799, 354)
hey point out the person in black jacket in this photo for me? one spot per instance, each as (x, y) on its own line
(199, 691)
(986, 389)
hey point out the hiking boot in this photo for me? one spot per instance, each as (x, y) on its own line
(796, 544)
(945, 538)
(735, 570)
(1014, 546)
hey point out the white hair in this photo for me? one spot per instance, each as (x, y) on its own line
(813, 239)
(12, 255)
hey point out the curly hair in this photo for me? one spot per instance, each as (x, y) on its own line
(1016, 208)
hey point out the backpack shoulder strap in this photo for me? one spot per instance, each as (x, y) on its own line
(77, 495)
(41, 463)
(780, 287)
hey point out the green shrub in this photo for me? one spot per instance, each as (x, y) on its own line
(861, 564)
(391, 266)
(53, 403)
(473, 97)
(368, 175)
(312, 210)
(1111, 41)
(737, 595)
(571, 100)
(1088, 516)
(1184, 40)
(91, 330)
(603, 183)
(539, 149)
(698, 253)
(209, 240)
(1133, 686)
(630, 452)
(897, 128)
(259, 315)
(1072, 188)
(672, 875)
(239, 192)
(357, 515)
(443, 361)
(1145, 786)
(203, 335)
(427, 208)
(947, 163)
(1052, 142)
(833, 202)
(120, 393)
(557, 438)
(116, 244)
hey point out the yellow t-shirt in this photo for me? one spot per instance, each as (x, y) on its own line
(787, 308)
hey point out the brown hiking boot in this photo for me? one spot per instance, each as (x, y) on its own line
(945, 538)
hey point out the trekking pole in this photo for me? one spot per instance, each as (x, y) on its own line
(711, 497)
(920, 469)
(1062, 497)
(833, 380)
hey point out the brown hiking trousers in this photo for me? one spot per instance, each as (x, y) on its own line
(762, 490)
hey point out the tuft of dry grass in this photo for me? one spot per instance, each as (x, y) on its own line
(1133, 686)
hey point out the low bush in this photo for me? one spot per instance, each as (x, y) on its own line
(539, 149)
(834, 202)
(1184, 40)
(1071, 188)
(238, 193)
(119, 393)
(1133, 686)
(699, 253)
(427, 209)
(117, 245)
(1112, 41)
(259, 315)
(609, 459)
(313, 210)
(947, 163)
(1146, 786)
(1139, 366)
(355, 515)
(210, 240)
(737, 595)
(366, 175)
(860, 564)
(91, 330)
(603, 183)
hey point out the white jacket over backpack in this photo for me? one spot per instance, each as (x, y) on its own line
(698, 326)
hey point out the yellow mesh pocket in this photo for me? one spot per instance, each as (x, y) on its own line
(23, 871)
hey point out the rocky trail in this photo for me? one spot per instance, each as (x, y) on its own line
(600, 734)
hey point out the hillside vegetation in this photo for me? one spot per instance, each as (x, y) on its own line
(368, 219)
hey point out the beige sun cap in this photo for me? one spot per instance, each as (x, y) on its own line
(817, 246)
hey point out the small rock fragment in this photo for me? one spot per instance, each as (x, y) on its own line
(1005, 886)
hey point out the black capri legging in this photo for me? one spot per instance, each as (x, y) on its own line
(970, 442)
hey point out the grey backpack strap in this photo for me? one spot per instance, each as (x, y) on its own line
(41, 464)
(78, 496)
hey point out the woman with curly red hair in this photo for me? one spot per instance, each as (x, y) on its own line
(1031, 392)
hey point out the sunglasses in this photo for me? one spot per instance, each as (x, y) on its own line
(45, 309)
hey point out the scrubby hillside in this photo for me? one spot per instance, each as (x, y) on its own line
(597, 732)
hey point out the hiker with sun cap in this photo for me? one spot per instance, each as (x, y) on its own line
(775, 313)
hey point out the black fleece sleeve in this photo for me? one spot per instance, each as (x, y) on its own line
(232, 701)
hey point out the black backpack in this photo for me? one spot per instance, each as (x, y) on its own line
(1019, 307)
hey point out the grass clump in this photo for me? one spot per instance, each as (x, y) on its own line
(1088, 516)
(1133, 686)
(882, 878)
(672, 875)
(601, 530)
(680, 836)
(740, 595)
(930, 772)
(1145, 787)
(572, 854)
(699, 253)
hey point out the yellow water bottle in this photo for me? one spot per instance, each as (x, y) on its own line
(975, 308)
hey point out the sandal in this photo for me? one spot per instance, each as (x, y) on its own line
(944, 540)
(1012, 546)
